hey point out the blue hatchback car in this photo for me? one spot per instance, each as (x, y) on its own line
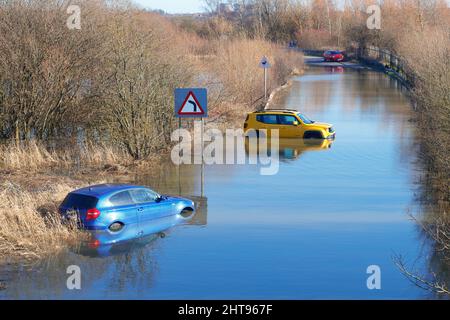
(114, 207)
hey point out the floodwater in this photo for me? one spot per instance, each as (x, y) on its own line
(308, 232)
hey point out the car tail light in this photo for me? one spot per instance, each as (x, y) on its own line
(92, 214)
(94, 244)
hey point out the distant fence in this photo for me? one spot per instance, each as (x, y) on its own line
(387, 61)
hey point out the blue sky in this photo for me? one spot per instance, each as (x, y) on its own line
(173, 6)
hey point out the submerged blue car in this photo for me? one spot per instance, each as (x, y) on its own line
(118, 207)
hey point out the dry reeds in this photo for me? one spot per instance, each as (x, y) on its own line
(234, 78)
(30, 225)
(33, 156)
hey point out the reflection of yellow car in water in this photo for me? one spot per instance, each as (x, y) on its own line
(293, 148)
(290, 123)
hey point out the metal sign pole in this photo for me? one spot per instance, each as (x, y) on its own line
(265, 84)
(203, 166)
(179, 151)
(265, 65)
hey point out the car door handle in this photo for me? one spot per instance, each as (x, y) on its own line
(140, 209)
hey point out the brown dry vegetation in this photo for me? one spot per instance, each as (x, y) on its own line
(427, 55)
(30, 226)
(100, 99)
(235, 81)
(113, 80)
(34, 156)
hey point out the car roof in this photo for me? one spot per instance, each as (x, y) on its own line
(277, 111)
(101, 190)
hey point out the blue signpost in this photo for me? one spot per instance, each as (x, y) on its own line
(265, 64)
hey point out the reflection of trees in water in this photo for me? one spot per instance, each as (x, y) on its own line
(380, 94)
(435, 232)
(434, 224)
(134, 269)
(167, 181)
(310, 96)
(352, 90)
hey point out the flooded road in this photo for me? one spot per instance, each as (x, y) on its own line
(309, 232)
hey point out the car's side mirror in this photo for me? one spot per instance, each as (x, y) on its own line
(295, 123)
(159, 199)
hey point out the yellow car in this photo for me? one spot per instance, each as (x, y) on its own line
(290, 123)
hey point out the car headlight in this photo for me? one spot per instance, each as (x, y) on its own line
(331, 130)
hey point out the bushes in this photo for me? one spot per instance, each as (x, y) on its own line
(427, 55)
(235, 80)
(114, 77)
(315, 39)
(145, 69)
(43, 67)
(113, 80)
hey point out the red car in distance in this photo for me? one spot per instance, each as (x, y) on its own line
(333, 56)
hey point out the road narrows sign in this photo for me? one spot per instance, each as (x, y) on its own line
(191, 103)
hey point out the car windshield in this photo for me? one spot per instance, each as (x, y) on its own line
(305, 119)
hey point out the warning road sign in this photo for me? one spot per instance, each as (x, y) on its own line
(191, 103)
(191, 106)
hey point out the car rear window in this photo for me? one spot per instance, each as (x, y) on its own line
(267, 118)
(79, 201)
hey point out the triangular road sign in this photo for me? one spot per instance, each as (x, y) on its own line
(191, 106)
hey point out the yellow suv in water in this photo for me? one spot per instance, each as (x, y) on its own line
(290, 123)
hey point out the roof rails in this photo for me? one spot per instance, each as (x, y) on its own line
(278, 110)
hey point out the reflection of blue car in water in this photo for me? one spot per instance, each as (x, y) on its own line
(122, 212)
(105, 243)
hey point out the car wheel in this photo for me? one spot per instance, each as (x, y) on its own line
(313, 135)
(116, 227)
(187, 212)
